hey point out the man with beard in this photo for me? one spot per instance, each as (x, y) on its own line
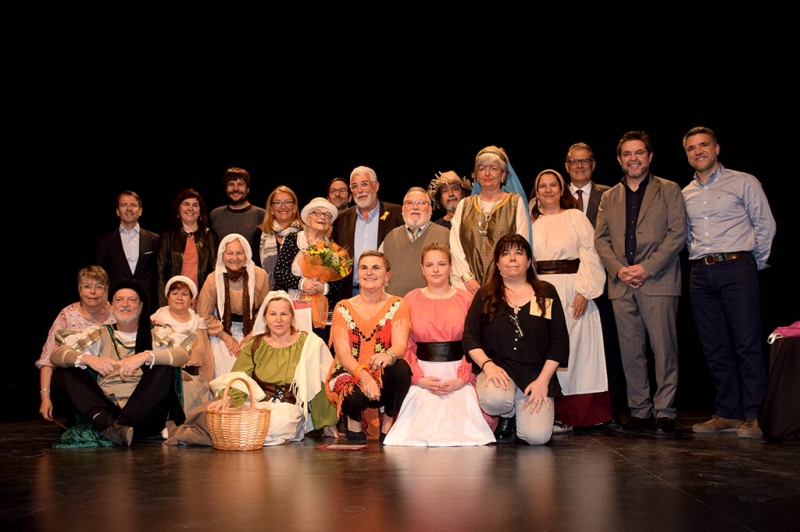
(730, 238)
(339, 193)
(364, 225)
(131, 385)
(641, 229)
(239, 215)
(446, 190)
(129, 251)
(403, 245)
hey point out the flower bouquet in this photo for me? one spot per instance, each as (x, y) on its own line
(326, 262)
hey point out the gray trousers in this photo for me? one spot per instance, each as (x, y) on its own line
(532, 427)
(638, 317)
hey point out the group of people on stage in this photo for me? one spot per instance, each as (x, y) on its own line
(513, 316)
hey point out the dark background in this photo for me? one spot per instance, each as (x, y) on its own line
(157, 111)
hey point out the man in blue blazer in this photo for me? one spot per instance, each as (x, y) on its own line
(641, 229)
(129, 252)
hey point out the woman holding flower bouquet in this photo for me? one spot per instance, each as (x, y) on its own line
(369, 335)
(311, 267)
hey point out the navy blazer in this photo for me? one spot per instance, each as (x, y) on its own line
(110, 255)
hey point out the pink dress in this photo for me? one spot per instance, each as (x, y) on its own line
(429, 420)
(69, 318)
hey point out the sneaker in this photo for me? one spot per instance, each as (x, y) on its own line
(559, 427)
(750, 429)
(718, 425)
(506, 429)
(120, 434)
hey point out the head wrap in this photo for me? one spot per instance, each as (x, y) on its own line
(261, 322)
(219, 279)
(321, 203)
(446, 178)
(183, 278)
(536, 185)
(144, 340)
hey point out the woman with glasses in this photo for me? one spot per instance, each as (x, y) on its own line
(515, 332)
(563, 244)
(189, 248)
(282, 219)
(497, 207)
(317, 217)
(92, 308)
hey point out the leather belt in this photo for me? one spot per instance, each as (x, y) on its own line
(192, 370)
(439, 351)
(545, 267)
(715, 258)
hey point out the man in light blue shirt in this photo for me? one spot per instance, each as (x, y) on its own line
(730, 232)
(129, 251)
(364, 225)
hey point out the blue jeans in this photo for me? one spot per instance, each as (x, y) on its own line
(726, 302)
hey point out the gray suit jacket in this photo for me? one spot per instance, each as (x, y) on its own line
(660, 237)
(594, 202)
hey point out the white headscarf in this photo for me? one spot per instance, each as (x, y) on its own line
(189, 283)
(260, 326)
(219, 270)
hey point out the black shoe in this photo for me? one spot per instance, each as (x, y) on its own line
(506, 429)
(637, 424)
(665, 426)
(356, 437)
(119, 434)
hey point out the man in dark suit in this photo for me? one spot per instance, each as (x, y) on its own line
(370, 219)
(129, 252)
(580, 166)
(641, 229)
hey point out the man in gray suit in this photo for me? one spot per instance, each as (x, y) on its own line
(641, 229)
(580, 166)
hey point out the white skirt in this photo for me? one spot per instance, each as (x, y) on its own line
(452, 420)
(223, 361)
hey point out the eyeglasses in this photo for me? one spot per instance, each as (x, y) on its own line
(98, 286)
(418, 203)
(518, 329)
(317, 212)
(339, 191)
(363, 184)
(286, 203)
(576, 162)
(638, 153)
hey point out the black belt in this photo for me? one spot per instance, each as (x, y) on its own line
(545, 267)
(439, 351)
(238, 318)
(715, 258)
(192, 370)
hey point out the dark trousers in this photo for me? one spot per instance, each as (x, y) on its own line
(726, 302)
(396, 382)
(147, 410)
(614, 371)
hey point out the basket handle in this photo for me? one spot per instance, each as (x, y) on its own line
(228, 387)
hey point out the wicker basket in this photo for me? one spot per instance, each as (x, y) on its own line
(238, 429)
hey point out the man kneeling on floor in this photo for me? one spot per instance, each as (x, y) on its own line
(131, 386)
